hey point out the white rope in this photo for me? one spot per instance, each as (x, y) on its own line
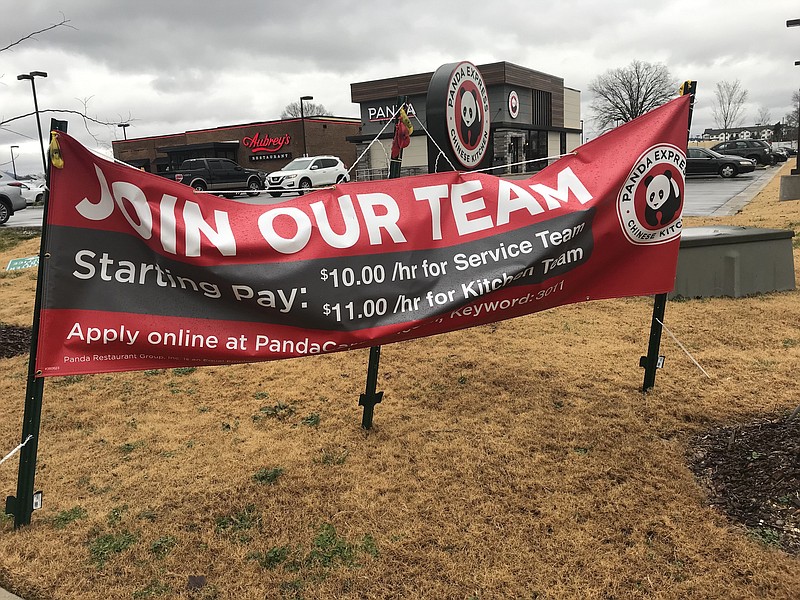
(15, 450)
(441, 152)
(672, 335)
(375, 139)
(525, 162)
(387, 155)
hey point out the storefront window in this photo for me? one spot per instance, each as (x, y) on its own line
(537, 148)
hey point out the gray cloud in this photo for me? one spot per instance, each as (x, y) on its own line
(174, 65)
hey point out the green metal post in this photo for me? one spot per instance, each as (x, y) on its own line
(653, 361)
(21, 506)
(370, 397)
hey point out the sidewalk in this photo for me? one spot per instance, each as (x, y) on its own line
(4, 595)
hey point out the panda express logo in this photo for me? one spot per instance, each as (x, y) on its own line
(467, 115)
(513, 104)
(650, 203)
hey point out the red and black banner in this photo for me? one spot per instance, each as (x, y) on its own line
(142, 272)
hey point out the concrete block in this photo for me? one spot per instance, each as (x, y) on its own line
(790, 187)
(734, 262)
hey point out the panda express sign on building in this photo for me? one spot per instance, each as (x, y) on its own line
(142, 273)
(458, 119)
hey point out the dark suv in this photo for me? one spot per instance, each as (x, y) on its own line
(757, 150)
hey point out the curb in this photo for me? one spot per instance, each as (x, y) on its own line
(740, 200)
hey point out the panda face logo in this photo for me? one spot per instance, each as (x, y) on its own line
(469, 108)
(660, 188)
(663, 198)
(658, 191)
(651, 199)
(467, 115)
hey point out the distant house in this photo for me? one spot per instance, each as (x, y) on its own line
(777, 132)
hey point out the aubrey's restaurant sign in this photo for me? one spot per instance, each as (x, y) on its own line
(265, 143)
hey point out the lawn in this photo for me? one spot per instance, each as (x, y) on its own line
(513, 460)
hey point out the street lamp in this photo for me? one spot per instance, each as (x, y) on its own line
(30, 76)
(303, 121)
(124, 129)
(13, 165)
(796, 170)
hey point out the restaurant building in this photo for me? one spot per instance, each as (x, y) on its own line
(533, 116)
(267, 145)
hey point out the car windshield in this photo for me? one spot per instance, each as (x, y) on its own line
(714, 153)
(298, 164)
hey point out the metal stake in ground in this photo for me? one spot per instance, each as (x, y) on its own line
(653, 361)
(21, 506)
(401, 139)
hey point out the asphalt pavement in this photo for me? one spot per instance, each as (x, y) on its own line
(712, 196)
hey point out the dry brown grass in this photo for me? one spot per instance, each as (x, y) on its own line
(518, 460)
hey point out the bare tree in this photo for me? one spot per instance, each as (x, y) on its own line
(764, 116)
(730, 99)
(292, 110)
(792, 117)
(621, 95)
(62, 23)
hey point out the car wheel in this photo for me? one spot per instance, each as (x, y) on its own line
(39, 198)
(254, 188)
(341, 179)
(276, 194)
(199, 186)
(728, 171)
(5, 212)
(305, 184)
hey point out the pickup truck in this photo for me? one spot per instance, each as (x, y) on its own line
(218, 174)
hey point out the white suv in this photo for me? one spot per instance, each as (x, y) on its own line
(304, 173)
(11, 199)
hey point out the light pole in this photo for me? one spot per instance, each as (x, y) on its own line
(303, 121)
(30, 76)
(796, 170)
(13, 164)
(124, 129)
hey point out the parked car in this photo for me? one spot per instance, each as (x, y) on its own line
(218, 174)
(702, 161)
(780, 154)
(757, 150)
(33, 192)
(307, 172)
(11, 199)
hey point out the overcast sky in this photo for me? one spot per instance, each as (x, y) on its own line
(168, 66)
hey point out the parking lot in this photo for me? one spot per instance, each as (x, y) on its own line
(712, 196)
(705, 196)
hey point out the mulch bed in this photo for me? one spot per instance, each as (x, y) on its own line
(752, 473)
(14, 340)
